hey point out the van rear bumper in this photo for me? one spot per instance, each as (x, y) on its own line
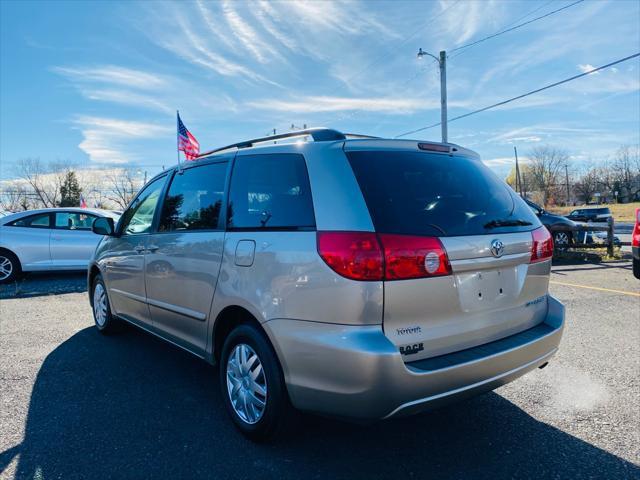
(356, 372)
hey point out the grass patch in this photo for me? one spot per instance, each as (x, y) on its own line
(622, 212)
(589, 255)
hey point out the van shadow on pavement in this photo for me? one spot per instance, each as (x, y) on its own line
(131, 406)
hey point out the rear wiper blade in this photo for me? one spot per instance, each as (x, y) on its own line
(506, 223)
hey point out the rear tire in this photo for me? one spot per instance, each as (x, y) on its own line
(105, 321)
(252, 384)
(10, 268)
(636, 268)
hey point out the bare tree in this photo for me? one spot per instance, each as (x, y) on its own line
(625, 171)
(44, 180)
(123, 186)
(587, 185)
(14, 198)
(546, 164)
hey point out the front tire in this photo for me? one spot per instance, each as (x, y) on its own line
(252, 384)
(102, 316)
(9, 267)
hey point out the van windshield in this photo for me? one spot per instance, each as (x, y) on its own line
(417, 193)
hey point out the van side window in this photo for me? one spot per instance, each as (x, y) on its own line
(194, 199)
(138, 218)
(270, 191)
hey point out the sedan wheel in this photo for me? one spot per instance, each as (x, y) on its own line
(246, 384)
(561, 239)
(9, 267)
(6, 268)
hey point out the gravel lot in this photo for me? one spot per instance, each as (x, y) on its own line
(76, 404)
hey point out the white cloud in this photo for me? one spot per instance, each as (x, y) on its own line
(587, 67)
(539, 133)
(216, 28)
(105, 139)
(336, 17)
(461, 22)
(125, 97)
(114, 75)
(268, 19)
(319, 104)
(195, 49)
(248, 37)
(500, 162)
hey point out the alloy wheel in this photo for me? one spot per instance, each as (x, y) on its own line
(561, 239)
(100, 304)
(246, 383)
(6, 267)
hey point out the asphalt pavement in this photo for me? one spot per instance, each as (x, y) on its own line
(76, 404)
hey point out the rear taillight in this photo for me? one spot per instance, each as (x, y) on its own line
(367, 256)
(355, 255)
(542, 248)
(635, 236)
(413, 257)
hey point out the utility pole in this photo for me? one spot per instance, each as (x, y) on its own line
(443, 95)
(518, 182)
(566, 173)
(442, 63)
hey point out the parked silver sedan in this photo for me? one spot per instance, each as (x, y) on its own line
(47, 239)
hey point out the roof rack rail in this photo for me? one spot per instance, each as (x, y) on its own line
(318, 135)
(359, 135)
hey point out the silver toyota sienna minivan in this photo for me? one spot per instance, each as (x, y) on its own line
(345, 275)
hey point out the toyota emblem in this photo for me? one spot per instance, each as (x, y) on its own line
(497, 248)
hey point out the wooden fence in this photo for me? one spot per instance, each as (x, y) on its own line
(609, 244)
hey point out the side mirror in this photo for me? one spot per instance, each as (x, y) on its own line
(103, 226)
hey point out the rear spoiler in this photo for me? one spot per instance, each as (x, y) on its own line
(411, 145)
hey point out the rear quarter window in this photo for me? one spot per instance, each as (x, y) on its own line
(417, 193)
(41, 220)
(270, 191)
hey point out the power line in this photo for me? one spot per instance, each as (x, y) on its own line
(405, 40)
(468, 45)
(384, 55)
(459, 49)
(378, 59)
(524, 94)
(531, 12)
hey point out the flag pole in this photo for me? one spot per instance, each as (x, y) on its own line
(177, 138)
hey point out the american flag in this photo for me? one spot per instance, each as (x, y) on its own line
(83, 202)
(187, 142)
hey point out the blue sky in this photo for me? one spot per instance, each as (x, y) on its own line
(97, 83)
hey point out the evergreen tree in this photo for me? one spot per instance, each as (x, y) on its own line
(70, 190)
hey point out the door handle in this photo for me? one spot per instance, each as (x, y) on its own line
(139, 248)
(152, 248)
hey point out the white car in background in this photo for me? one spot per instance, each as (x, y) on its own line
(47, 239)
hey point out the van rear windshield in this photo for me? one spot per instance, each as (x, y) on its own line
(417, 193)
